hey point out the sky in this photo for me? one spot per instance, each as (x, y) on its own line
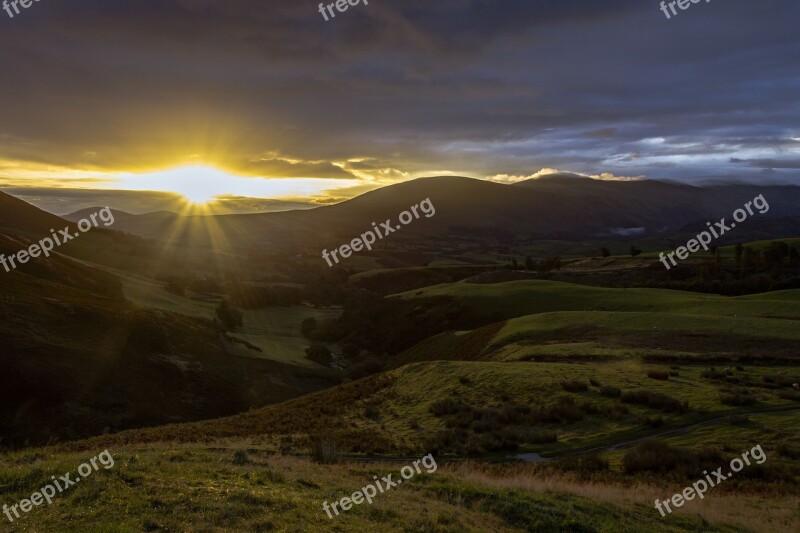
(272, 107)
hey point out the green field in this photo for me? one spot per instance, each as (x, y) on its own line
(276, 330)
(518, 298)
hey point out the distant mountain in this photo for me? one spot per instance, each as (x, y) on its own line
(559, 207)
(147, 225)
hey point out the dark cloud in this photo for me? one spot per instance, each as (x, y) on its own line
(401, 87)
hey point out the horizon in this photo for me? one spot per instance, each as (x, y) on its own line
(175, 204)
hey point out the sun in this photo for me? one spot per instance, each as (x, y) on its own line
(198, 184)
(201, 185)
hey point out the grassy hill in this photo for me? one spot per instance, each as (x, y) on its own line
(416, 410)
(79, 359)
(525, 297)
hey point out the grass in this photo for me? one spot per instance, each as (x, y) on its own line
(519, 298)
(276, 330)
(169, 488)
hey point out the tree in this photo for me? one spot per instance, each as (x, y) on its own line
(751, 259)
(319, 353)
(230, 316)
(530, 264)
(514, 264)
(605, 252)
(794, 257)
(308, 326)
(738, 252)
(635, 251)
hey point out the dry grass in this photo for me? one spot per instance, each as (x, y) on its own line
(754, 512)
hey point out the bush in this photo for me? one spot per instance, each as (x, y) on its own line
(324, 450)
(654, 400)
(230, 316)
(738, 420)
(789, 395)
(542, 437)
(736, 399)
(653, 421)
(240, 457)
(788, 451)
(308, 327)
(583, 465)
(563, 412)
(448, 407)
(611, 392)
(594, 383)
(319, 353)
(364, 369)
(652, 456)
(661, 376)
(574, 386)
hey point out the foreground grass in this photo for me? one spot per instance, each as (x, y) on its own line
(168, 488)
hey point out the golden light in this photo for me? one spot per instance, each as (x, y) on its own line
(201, 184)
(198, 184)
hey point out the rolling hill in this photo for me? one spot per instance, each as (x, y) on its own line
(554, 208)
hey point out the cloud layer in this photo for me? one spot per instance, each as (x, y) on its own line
(398, 89)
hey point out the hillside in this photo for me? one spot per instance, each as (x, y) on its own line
(555, 208)
(81, 360)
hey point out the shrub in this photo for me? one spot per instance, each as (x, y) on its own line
(789, 395)
(575, 386)
(712, 374)
(652, 456)
(788, 451)
(736, 399)
(738, 420)
(563, 412)
(542, 437)
(653, 421)
(594, 383)
(319, 353)
(611, 392)
(661, 376)
(449, 406)
(308, 327)
(505, 439)
(230, 316)
(364, 369)
(654, 400)
(583, 465)
(324, 450)
(240, 457)
(372, 412)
